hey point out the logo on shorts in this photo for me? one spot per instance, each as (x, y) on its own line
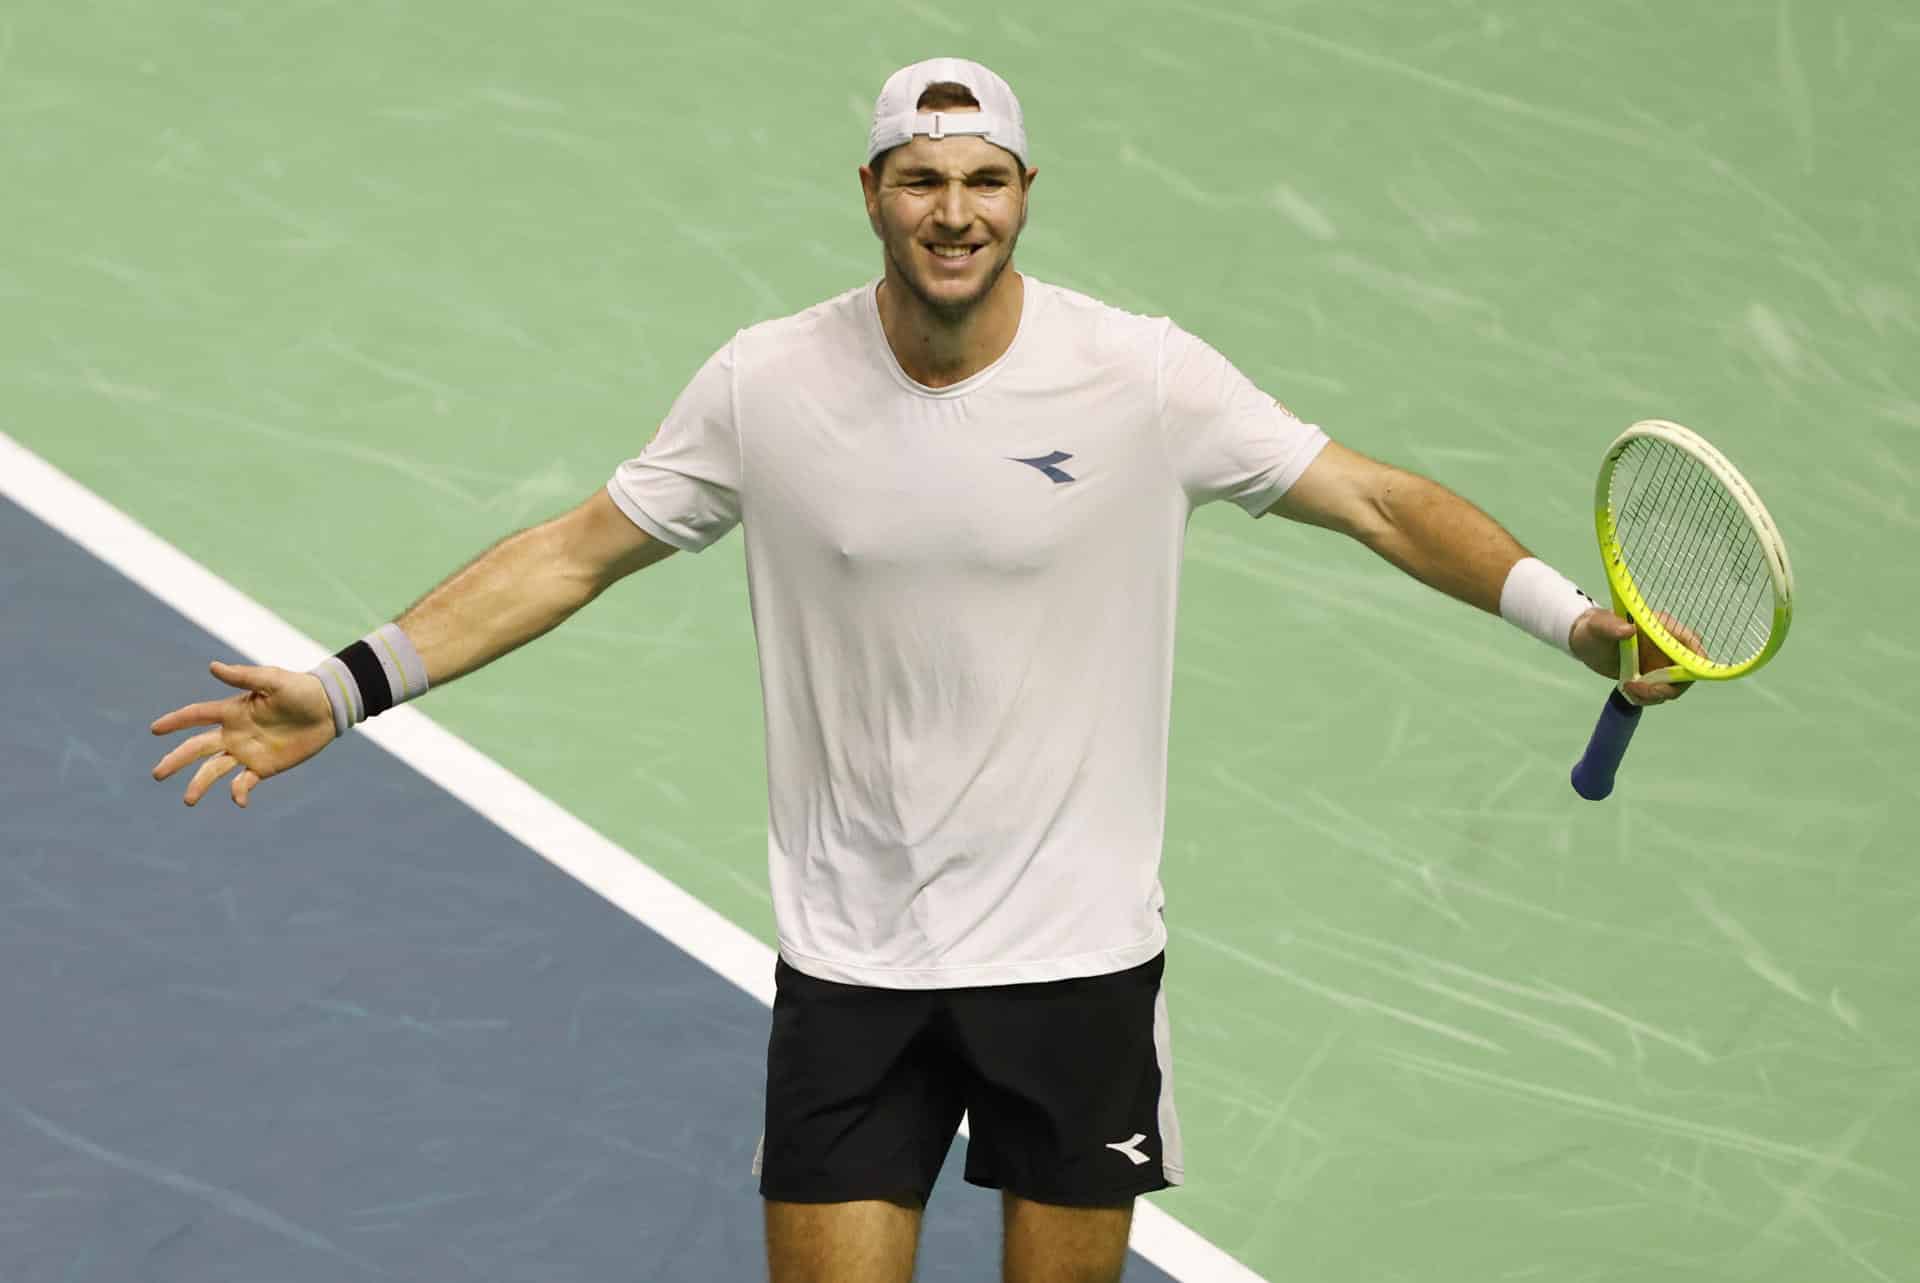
(1126, 1147)
(1045, 463)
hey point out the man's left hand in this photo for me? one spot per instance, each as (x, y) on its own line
(1596, 639)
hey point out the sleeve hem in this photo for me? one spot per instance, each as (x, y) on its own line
(1303, 455)
(638, 516)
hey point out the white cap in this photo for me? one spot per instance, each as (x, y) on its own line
(896, 118)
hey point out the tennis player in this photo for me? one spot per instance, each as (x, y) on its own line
(964, 494)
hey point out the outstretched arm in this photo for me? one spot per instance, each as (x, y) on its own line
(1443, 541)
(523, 586)
(526, 585)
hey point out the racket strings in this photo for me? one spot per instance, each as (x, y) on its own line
(1684, 539)
(1712, 550)
(1690, 550)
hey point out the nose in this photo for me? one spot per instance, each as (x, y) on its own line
(952, 212)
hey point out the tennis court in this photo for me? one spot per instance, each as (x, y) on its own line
(328, 298)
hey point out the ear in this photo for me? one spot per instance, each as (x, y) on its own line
(870, 191)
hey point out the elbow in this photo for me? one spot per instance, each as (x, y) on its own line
(1372, 523)
(560, 562)
(1369, 518)
(1386, 510)
(1345, 491)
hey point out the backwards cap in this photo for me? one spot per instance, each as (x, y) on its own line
(897, 119)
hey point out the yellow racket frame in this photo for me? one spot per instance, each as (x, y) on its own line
(1689, 665)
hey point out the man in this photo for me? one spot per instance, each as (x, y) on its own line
(964, 494)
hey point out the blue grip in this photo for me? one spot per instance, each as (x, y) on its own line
(1593, 773)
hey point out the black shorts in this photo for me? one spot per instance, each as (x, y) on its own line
(1066, 1085)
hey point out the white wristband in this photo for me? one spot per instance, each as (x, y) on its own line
(1538, 599)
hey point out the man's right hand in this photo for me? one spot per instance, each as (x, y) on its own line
(280, 720)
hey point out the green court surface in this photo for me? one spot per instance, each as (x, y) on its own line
(332, 295)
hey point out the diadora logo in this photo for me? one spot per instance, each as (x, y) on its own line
(1048, 463)
(1128, 1147)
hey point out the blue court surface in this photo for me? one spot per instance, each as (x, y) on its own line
(356, 1032)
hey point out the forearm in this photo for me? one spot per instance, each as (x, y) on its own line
(520, 588)
(1441, 539)
(1445, 542)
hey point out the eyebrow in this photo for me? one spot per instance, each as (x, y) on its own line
(927, 171)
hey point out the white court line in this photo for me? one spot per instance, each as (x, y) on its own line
(476, 779)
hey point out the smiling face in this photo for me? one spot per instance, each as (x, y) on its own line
(948, 213)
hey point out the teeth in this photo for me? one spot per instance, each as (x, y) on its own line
(952, 251)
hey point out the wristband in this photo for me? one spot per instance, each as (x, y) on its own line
(371, 676)
(1538, 599)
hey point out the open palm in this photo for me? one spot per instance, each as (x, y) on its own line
(280, 720)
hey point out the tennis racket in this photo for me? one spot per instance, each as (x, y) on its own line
(1692, 558)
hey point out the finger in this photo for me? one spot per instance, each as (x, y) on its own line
(1654, 660)
(207, 776)
(1605, 624)
(247, 676)
(1681, 633)
(187, 751)
(1663, 684)
(206, 713)
(243, 787)
(1655, 692)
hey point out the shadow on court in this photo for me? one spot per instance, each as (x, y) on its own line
(354, 1033)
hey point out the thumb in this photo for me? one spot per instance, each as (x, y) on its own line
(1615, 627)
(247, 677)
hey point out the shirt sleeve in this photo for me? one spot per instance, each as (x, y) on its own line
(1225, 437)
(684, 488)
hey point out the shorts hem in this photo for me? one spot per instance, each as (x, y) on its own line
(845, 1194)
(1077, 1198)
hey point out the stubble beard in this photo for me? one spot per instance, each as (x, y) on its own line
(947, 310)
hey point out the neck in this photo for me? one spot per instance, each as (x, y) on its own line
(938, 350)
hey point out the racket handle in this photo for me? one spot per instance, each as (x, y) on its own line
(1593, 773)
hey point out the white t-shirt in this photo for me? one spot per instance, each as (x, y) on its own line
(964, 603)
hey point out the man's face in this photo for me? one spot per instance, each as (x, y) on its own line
(948, 213)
